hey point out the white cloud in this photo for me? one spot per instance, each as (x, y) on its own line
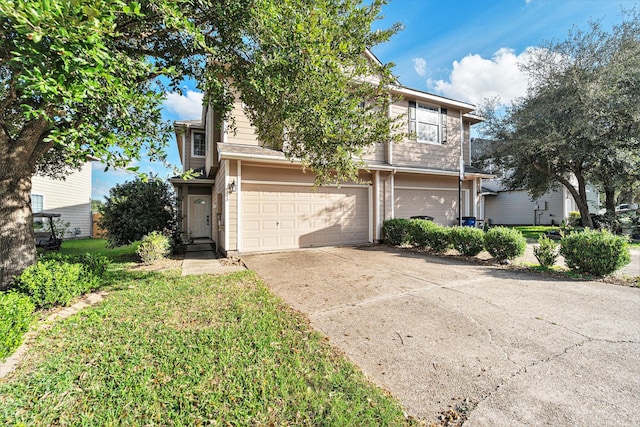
(420, 66)
(185, 107)
(475, 78)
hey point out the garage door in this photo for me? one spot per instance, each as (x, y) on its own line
(442, 205)
(278, 217)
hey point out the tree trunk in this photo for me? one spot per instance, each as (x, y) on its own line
(610, 198)
(583, 206)
(18, 157)
(17, 243)
(580, 197)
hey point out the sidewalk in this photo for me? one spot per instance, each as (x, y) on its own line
(201, 259)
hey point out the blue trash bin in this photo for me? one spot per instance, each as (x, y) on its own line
(469, 221)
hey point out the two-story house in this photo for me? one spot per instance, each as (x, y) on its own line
(250, 198)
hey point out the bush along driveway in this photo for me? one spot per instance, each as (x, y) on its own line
(452, 339)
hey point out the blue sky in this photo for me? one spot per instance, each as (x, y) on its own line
(464, 49)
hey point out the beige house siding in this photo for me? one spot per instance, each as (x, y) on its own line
(70, 197)
(375, 153)
(466, 143)
(244, 132)
(219, 207)
(232, 206)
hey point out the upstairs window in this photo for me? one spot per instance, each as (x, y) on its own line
(198, 145)
(427, 124)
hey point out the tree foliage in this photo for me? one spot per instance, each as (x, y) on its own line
(137, 208)
(580, 119)
(87, 77)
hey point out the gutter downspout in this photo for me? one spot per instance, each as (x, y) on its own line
(392, 180)
(461, 170)
(376, 197)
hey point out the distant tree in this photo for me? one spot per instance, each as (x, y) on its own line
(136, 208)
(96, 205)
(580, 119)
(82, 78)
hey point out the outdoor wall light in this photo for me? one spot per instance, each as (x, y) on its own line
(232, 187)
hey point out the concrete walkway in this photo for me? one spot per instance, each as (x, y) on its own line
(200, 258)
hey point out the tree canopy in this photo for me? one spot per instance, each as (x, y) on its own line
(580, 120)
(88, 78)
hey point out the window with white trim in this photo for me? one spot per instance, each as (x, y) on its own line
(37, 203)
(198, 144)
(427, 124)
(37, 206)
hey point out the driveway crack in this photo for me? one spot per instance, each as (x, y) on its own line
(523, 369)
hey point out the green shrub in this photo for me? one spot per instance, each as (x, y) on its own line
(397, 231)
(420, 228)
(467, 240)
(504, 243)
(546, 252)
(136, 208)
(437, 238)
(595, 252)
(16, 312)
(154, 247)
(50, 282)
(574, 219)
(94, 264)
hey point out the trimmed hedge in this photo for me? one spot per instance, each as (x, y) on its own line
(504, 243)
(437, 238)
(595, 252)
(468, 241)
(397, 231)
(420, 230)
(52, 282)
(16, 313)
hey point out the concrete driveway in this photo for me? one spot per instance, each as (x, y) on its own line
(523, 349)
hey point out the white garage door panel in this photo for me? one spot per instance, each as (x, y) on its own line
(278, 217)
(442, 205)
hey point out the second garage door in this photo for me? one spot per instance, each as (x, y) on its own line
(278, 217)
(440, 204)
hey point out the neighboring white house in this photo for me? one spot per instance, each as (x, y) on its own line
(517, 208)
(503, 207)
(70, 197)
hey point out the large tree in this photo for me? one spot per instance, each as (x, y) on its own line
(580, 119)
(84, 77)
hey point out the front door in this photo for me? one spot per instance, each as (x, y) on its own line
(200, 216)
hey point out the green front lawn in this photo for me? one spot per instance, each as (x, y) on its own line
(533, 232)
(198, 350)
(99, 247)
